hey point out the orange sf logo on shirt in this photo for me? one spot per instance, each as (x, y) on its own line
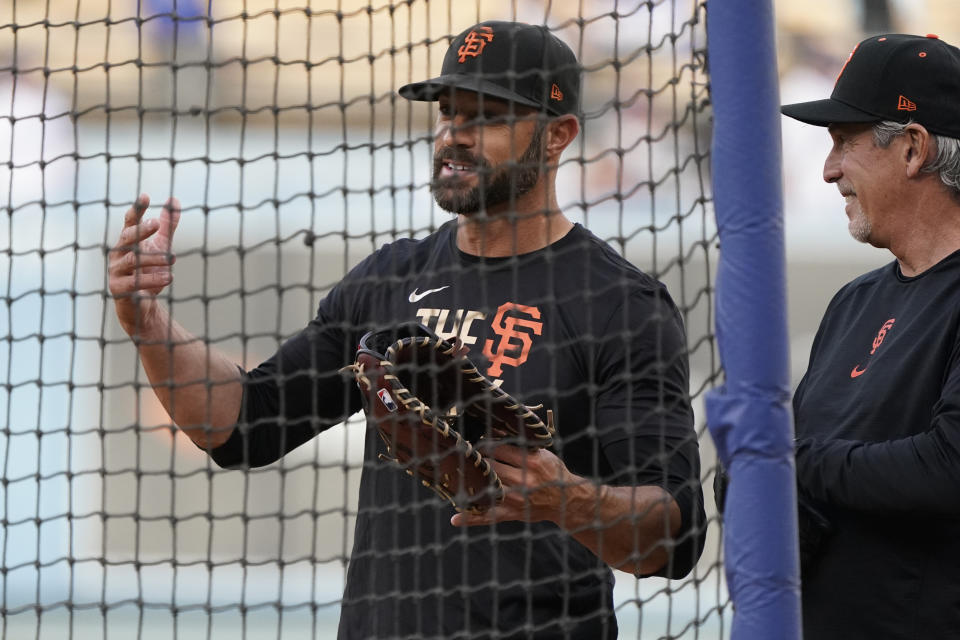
(513, 348)
(857, 371)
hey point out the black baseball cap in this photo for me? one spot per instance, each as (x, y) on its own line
(518, 62)
(893, 77)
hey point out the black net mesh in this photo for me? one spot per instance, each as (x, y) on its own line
(278, 127)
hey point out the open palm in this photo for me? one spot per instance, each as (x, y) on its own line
(140, 262)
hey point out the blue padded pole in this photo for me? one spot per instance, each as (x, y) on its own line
(749, 417)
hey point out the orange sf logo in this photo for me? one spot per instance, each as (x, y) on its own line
(857, 371)
(474, 43)
(508, 351)
(882, 334)
(849, 58)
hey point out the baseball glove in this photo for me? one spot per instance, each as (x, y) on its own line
(432, 408)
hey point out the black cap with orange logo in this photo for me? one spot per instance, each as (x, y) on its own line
(522, 63)
(893, 77)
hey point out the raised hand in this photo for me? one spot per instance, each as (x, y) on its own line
(139, 263)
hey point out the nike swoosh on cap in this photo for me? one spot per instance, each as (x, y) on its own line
(857, 372)
(416, 297)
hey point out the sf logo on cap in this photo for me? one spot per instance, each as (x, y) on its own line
(474, 43)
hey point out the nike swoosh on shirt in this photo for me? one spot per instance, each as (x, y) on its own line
(416, 297)
(857, 372)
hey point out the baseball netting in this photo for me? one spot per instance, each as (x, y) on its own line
(277, 125)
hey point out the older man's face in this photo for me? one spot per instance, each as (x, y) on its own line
(863, 174)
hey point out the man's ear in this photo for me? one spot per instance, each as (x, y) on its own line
(919, 149)
(560, 133)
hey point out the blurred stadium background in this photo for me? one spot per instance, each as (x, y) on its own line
(294, 159)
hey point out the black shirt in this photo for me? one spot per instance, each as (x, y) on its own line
(878, 428)
(572, 326)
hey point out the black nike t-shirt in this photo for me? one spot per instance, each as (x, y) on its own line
(878, 428)
(573, 327)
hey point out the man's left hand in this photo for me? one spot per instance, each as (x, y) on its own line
(537, 486)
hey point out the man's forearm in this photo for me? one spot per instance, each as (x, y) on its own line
(919, 474)
(198, 386)
(629, 528)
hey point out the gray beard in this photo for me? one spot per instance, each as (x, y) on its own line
(860, 227)
(497, 186)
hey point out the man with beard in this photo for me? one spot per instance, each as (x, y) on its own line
(549, 310)
(878, 411)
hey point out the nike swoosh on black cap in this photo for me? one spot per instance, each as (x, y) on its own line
(895, 77)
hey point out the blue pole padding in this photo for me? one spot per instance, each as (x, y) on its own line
(749, 417)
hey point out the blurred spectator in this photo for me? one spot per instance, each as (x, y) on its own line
(177, 17)
(175, 32)
(875, 16)
(177, 27)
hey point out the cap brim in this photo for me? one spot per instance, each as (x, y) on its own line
(823, 113)
(431, 90)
